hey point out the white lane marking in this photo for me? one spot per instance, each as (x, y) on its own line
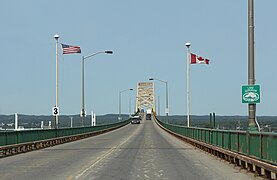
(103, 156)
(145, 175)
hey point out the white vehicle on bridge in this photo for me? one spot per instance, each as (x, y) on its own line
(148, 114)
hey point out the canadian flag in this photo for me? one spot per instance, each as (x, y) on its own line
(195, 59)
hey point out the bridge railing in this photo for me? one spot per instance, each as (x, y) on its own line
(24, 136)
(259, 145)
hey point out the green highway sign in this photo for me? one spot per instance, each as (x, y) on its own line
(251, 94)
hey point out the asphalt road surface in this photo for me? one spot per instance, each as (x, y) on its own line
(142, 151)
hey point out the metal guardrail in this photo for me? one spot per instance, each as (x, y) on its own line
(253, 151)
(23, 141)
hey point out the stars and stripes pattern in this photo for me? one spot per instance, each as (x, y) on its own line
(68, 49)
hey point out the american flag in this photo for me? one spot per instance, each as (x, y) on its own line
(68, 49)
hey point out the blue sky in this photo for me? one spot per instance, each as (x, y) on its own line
(148, 39)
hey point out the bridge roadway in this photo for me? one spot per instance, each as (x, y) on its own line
(132, 152)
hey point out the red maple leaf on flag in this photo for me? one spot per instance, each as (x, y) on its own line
(200, 58)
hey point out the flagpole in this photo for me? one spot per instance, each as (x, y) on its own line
(188, 84)
(57, 120)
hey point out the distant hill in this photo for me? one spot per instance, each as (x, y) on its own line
(33, 121)
(268, 123)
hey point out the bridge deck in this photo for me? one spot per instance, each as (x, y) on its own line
(133, 152)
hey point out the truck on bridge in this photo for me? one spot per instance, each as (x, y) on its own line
(148, 114)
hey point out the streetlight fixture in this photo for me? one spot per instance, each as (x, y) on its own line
(166, 91)
(83, 113)
(119, 105)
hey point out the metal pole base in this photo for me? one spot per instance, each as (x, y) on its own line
(252, 128)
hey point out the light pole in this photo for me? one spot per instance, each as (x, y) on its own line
(57, 38)
(251, 63)
(166, 91)
(119, 102)
(130, 106)
(83, 113)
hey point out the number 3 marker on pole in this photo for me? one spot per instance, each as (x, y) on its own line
(55, 111)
